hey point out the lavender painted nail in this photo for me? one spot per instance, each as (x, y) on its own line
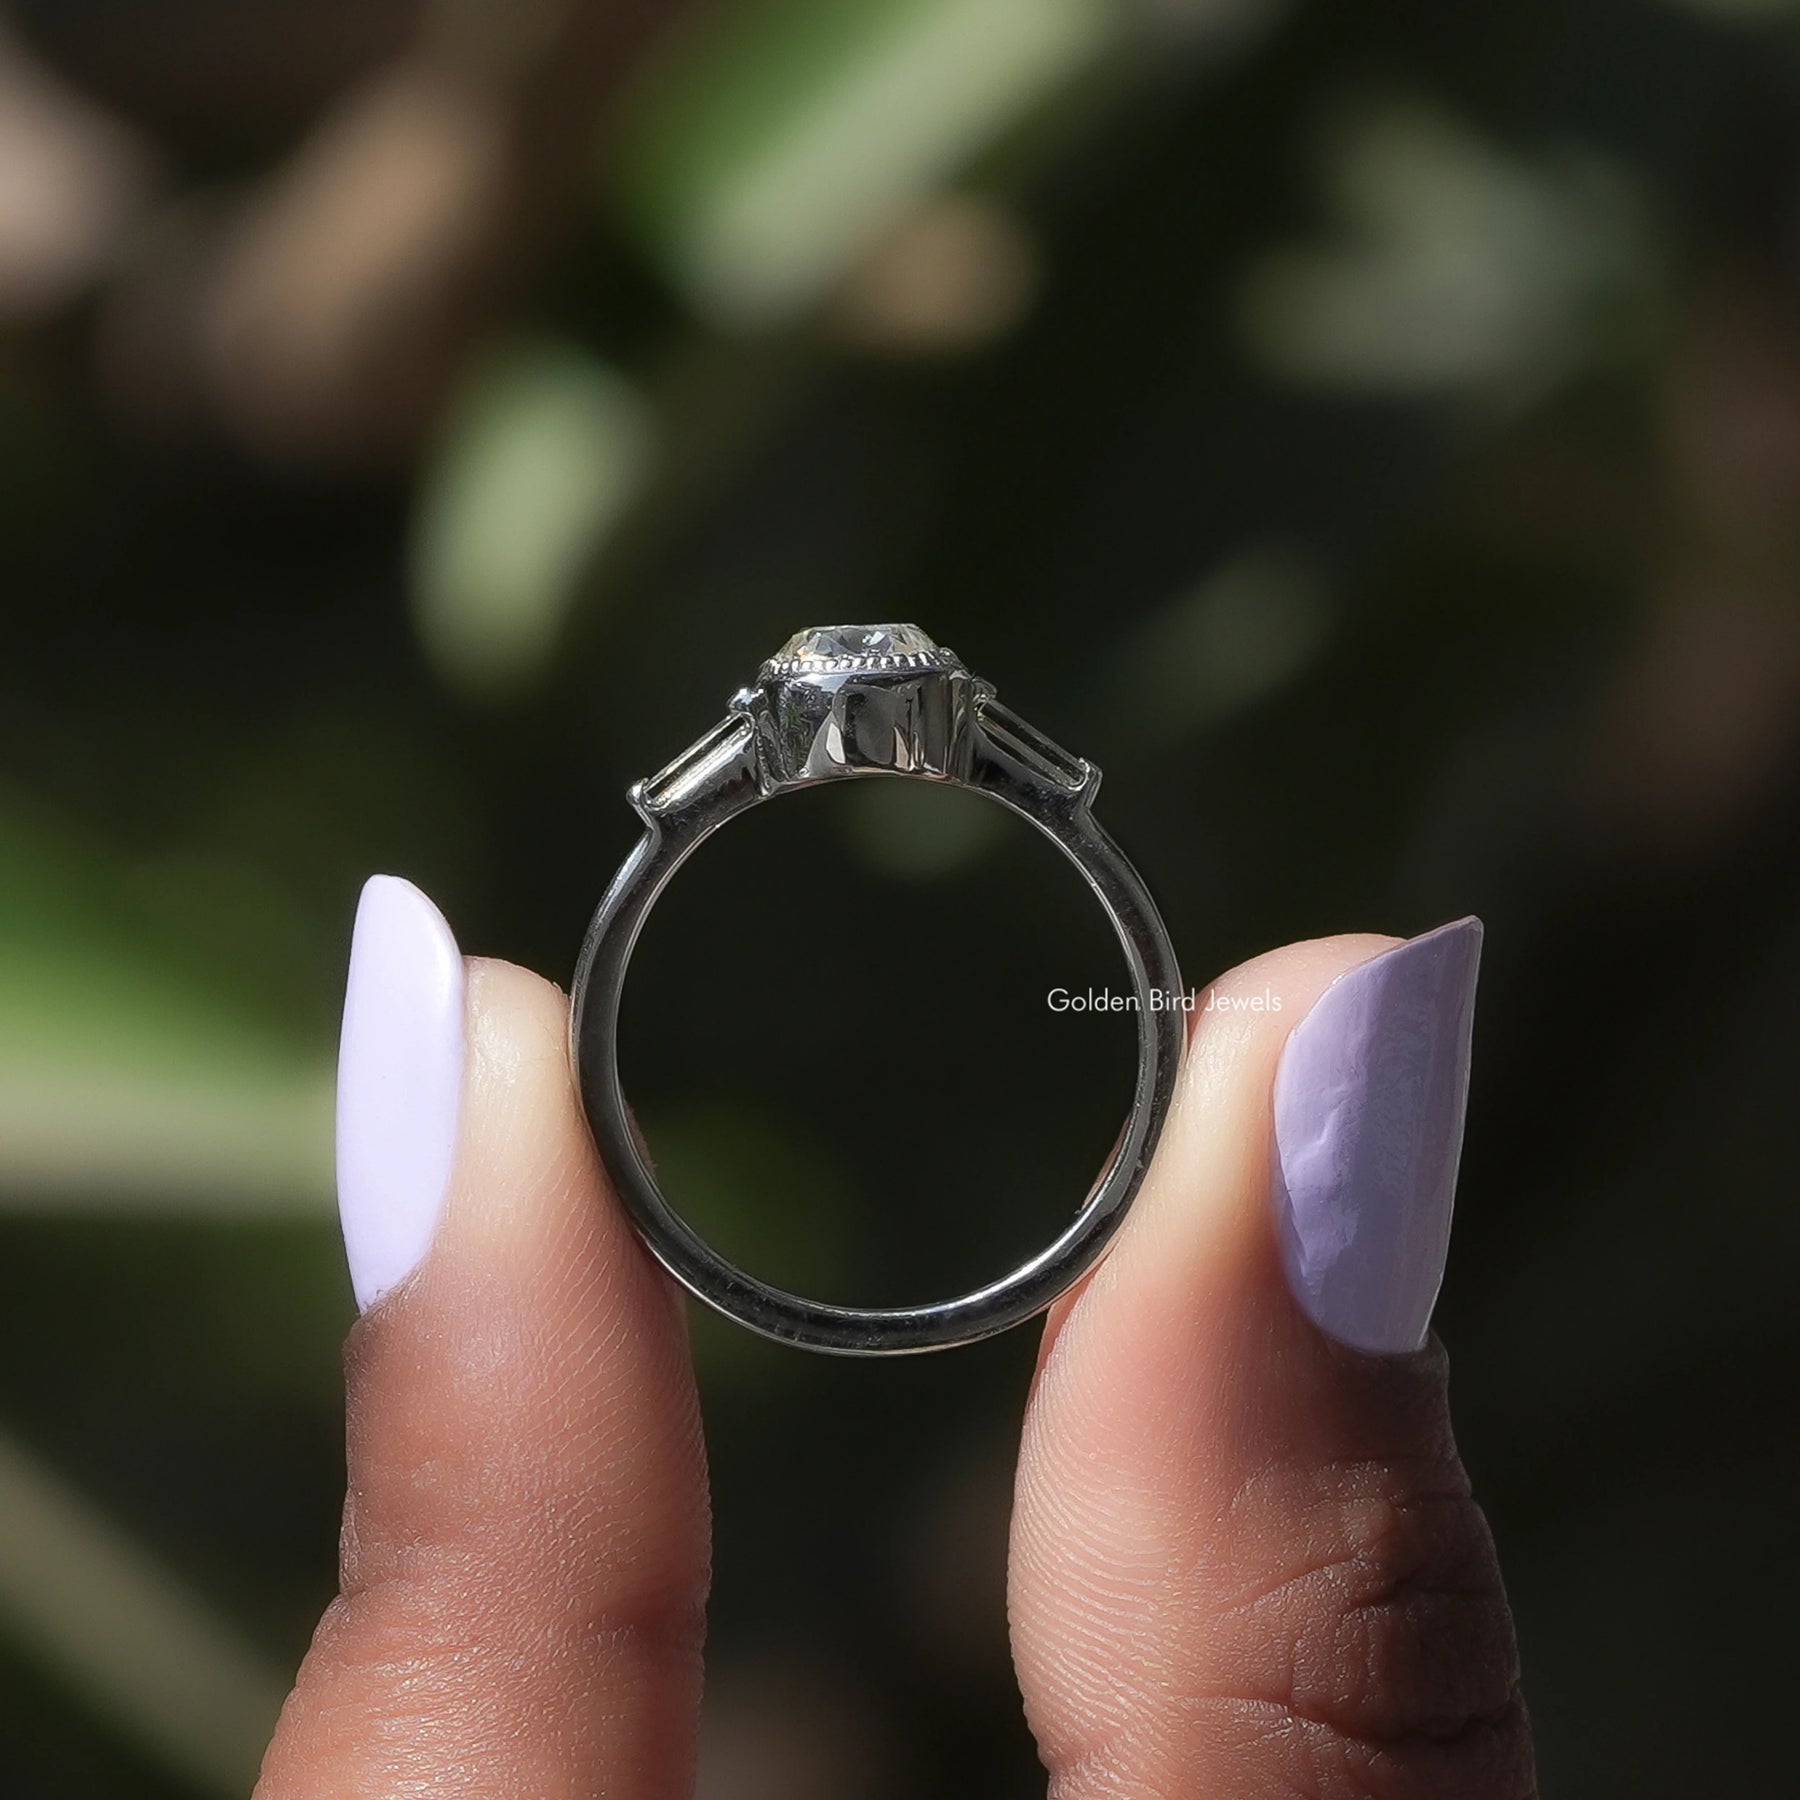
(399, 1088)
(1369, 1103)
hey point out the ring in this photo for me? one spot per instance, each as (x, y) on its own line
(850, 701)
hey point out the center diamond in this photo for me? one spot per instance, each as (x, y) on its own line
(827, 643)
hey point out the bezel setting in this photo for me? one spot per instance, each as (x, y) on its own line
(842, 700)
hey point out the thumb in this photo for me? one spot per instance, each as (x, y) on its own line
(1245, 1556)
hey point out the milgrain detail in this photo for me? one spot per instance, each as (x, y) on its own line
(940, 658)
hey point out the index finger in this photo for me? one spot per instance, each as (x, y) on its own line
(524, 1554)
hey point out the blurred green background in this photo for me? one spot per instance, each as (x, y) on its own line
(1371, 433)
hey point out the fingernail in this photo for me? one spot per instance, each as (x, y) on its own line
(399, 1089)
(1369, 1102)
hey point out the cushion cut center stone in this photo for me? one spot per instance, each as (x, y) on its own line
(822, 642)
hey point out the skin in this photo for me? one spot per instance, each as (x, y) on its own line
(1245, 1561)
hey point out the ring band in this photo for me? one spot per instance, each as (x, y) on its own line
(844, 701)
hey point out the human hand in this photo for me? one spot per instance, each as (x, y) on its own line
(1245, 1560)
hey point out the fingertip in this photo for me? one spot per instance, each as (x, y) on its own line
(1206, 1195)
(530, 1195)
(517, 1023)
(1203, 1213)
(1369, 1099)
(399, 1083)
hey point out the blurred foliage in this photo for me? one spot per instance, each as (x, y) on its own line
(1372, 434)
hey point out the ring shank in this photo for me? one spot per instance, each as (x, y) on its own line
(1003, 768)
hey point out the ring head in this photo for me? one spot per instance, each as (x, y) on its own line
(839, 700)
